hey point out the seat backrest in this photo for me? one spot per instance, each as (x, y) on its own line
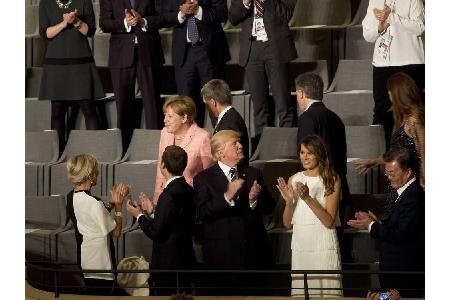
(37, 115)
(31, 19)
(354, 109)
(276, 142)
(376, 203)
(365, 141)
(41, 146)
(144, 145)
(105, 145)
(321, 12)
(45, 212)
(360, 12)
(352, 75)
(319, 67)
(33, 82)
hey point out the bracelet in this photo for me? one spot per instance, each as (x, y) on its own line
(79, 25)
(118, 214)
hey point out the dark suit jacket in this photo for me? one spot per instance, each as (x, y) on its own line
(403, 237)
(122, 44)
(233, 236)
(210, 29)
(277, 14)
(172, 227)
(232, 120)
(318, 119)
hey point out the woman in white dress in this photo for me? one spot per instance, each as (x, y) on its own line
(312, 199)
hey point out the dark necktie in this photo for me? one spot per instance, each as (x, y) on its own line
(233, 174)
(396, 196)
(259, 9)
(192, 30)
(133, 3)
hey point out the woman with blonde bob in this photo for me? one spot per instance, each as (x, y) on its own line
(312, 200)
(93, 223)
(180, 129)
(409, 119)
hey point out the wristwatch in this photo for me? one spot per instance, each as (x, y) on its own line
(79, 25)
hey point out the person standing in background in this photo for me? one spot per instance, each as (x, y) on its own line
(70, 75)
(396, 28)
(134, 52)
(199, 46)
(266, 48)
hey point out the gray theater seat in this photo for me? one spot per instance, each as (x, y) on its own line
(313, 43)
(356, 47)
(100, 47)
(41, 151)
(360, 12)
(300, 67)
(105, 145)
(44, 217)
(31, 19)
(321, 12)
(139, 164)
(37, 115)
(33, 81)
(353, 107)
(352, 75)
(365, 142)
(276, 155)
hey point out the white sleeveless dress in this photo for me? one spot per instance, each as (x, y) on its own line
(314, 247)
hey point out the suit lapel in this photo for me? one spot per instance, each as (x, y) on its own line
(219, 178)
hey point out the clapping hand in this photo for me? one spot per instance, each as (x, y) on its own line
(286, 190)
(234, 187)
(382, 14)
(254, 191)
(362, 220)
(130, 18)
(302, 190)
(146, 203)
(133, 210)
(70, 17)
(364, 165)
(189, 8)
(119, 192)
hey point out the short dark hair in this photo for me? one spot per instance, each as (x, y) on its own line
(218, 90)
(311, 84)
(175, 159)
(401, 156)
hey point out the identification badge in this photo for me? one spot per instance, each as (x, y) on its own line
(260, 30)
(383, 45)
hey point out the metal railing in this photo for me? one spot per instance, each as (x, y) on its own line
(55, 271)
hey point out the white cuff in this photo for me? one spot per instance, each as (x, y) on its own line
(139, 215)
(199, 13)
(144, 27)
(370, 225)
(128, 28)
(230, 202)
(181, 18)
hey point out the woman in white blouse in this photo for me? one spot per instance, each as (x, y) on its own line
(94, 226)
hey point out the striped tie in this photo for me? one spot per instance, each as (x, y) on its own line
(233, 174)
(259, 9)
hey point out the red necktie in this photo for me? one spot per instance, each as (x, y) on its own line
(259, 9)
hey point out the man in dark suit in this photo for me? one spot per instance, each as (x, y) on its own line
(316, 118)
(403, 236)
(230, 201)
(266, 48)
(171, 227)
(216, 95)
(199, 46)
(134, 51)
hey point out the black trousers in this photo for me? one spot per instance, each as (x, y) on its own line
(59, 112)
(149, 80)
(381, 113)
(195, 72)
(262, 70)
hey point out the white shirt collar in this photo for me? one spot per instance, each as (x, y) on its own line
(225, 169)
(223, 113)
(171, 179)
(405, 186)
(311, 101)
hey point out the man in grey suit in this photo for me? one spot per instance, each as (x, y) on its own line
(266, 48)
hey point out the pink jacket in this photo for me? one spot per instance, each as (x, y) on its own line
(197, 144)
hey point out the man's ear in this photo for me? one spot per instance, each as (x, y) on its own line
(163, 166)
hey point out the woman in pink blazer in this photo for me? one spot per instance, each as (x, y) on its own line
(181, 130)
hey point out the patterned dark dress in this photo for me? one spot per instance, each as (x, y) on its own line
(69, 69)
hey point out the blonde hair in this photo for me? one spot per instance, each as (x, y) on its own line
(182, 106)
(219, 139)
(80, 168)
